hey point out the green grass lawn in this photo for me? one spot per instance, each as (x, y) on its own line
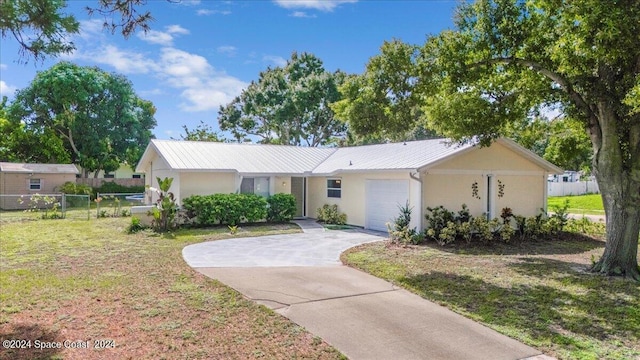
(88, 280)
(581, 204)
(538, 293)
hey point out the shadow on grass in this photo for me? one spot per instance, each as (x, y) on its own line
(563, 244)
(552, 309)
(29, 333)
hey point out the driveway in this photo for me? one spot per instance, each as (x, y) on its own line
(300, 276)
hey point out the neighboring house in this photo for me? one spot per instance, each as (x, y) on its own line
(123, 172)
(368, 183)
(124, 176)
(25, 179)
(567, 176)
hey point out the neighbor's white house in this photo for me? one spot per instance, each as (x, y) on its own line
(368, 183)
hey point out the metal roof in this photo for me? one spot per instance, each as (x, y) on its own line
(409, 155)
(281, 159)
(243, 158)
(38, 168)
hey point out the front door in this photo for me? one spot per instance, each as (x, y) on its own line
(298, 189)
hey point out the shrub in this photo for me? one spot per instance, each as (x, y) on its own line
(225, 209)
(481, 227)
(560, 216)
(399, 231)
(437, 219)
(164, 213)
(448, 234)
(281, 208)
(537, 227)
(329, 214)
(112, 187)
(135, 226)
(75, 189)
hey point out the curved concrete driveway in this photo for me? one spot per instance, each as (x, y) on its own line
(300, 276)
(312, 248)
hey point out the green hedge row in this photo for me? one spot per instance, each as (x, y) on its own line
(233, 209)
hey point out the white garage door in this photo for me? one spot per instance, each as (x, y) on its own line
(383, 199)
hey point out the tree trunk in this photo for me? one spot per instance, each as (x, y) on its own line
(623, 225)
(620, 188)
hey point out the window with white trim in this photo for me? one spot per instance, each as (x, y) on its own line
(35, 184)
(334, 188)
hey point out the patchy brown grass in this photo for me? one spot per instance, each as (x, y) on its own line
(66, 280)
(536, 292)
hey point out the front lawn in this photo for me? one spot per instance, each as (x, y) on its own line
(580, 204)
(538, 293)
(87, 280)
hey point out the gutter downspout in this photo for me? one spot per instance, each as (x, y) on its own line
(418, 213)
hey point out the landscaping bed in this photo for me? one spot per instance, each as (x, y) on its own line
(86, 281)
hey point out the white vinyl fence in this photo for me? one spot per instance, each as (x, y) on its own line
(573, 188)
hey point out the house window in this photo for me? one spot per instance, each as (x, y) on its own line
(35, 184)
(137, 176)
(255, 185)
(109, 176)
(334, 188)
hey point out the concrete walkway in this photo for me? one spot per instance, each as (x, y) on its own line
(300, 277)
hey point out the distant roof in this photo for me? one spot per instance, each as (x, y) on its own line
(281, 159)
(38, 168)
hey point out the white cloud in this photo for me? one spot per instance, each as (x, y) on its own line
(204, 88)
(164, 38)
(156, 37)
(202, 12)
(3, 66)
(276, 60)
(323, 5)
(177, 29)
(227, 50)
(126, 62)
(301, 14)
(91, 28)
(5, 89)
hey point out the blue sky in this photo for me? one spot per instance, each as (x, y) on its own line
(200, 54)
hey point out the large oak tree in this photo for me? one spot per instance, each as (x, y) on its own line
(507, 60)
(101, 120)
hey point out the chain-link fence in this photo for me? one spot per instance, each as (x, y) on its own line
(117, 204)
(19, 207)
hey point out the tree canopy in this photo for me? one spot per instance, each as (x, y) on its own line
(508, 60)
(21, 144)
(43, 28)
(97, 115)
(287, 105)
(202, 132)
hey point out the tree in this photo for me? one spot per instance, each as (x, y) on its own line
(382, 101)
(19, 144)
(101, 120)
(509, 59)
(42, 28)
(288, 105)
(202, 132)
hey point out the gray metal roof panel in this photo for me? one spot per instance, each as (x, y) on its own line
(395, 156)
(244, 158)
